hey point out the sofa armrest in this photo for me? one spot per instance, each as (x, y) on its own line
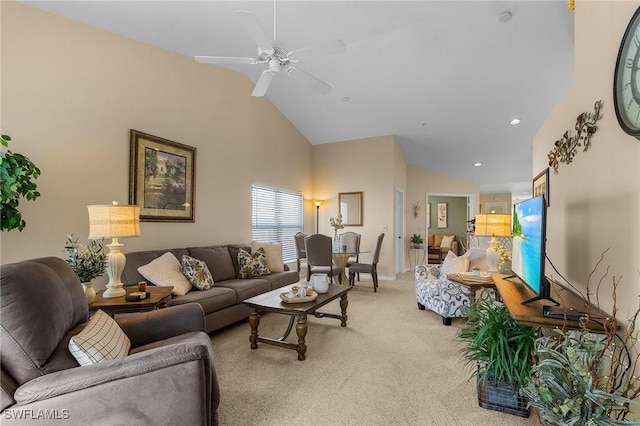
(148, 327)
(85, 377)
(125, 391)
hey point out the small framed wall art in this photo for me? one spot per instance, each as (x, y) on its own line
(442, 215)
(541, 185)
(162, 178)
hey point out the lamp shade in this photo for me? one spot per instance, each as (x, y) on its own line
(498, 224)
(113, 221)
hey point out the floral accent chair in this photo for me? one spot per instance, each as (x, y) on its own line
(437, 293)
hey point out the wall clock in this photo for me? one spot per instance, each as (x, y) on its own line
(626, 80)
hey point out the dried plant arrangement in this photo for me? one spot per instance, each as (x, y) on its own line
(584, 377)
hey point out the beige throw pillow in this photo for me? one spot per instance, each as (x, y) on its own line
(101, 340)
(454, 264)
(166, 271)
(447, 241)
(273, 251)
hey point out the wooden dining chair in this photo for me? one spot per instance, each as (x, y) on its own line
(368, 268)
(320, 256)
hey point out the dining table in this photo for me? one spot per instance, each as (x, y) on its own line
(340, 259)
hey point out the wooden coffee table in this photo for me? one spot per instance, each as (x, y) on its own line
(118, 305)
(271, 302)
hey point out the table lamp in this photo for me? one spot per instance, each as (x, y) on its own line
(114, 221)
(494, 225)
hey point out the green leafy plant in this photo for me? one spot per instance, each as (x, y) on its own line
(498, 347)
(88, 262)
(417, 239)
(17, 175)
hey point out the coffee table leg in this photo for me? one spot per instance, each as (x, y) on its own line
(254, 321)
(344, 302)
(301, 331)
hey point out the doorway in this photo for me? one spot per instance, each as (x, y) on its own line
(458, 209)
(398, 231)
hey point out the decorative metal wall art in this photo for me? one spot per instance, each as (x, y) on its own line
(567, 147)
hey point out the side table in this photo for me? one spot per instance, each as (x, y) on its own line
(416, 248)
(159, 296)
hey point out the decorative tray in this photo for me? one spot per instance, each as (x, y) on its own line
(311, 295)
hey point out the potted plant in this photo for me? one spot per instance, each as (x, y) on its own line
(88, 262)
(416, 239)
(585, 378)
(17, 175)
(476, 270)
(500, 351)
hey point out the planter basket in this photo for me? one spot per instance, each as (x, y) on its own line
(497, 396)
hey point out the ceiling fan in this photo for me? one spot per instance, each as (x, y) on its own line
(278, 58)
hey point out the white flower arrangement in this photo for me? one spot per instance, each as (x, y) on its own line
(336, 222)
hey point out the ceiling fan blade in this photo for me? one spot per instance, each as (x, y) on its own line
(252, 25)
(225, 60)
(263, 83)
(310, 80)
(324, 49)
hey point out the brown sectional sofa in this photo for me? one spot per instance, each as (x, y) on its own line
(222, 303)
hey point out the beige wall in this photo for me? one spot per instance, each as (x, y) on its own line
(421, 182)
(594, 201)
(503, 197)
(70, 95)
(366, 165)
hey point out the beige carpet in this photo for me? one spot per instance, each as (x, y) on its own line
(392, 365)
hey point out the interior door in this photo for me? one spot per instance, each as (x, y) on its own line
(398, 231)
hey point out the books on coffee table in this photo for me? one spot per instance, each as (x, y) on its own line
(482, 277)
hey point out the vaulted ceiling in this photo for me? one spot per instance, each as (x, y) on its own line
(445, 77)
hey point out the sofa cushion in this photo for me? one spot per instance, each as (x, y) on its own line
(246, 288)
(252, 265)
(273, 251)
(166, 271)
(437, 240)
(196, 272)
(101, 340)
(212, 300)
(130, 274)
(218, 261)
(281, 279)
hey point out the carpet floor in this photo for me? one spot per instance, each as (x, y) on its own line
(392, 365)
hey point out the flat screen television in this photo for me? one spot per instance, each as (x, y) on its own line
(528, 251)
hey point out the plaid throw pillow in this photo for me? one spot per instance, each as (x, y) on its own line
(253, 265)
(101, 340)
(197, 273)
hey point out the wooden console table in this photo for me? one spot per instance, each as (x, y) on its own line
(514, 292)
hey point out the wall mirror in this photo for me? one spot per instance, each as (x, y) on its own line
(350, 207)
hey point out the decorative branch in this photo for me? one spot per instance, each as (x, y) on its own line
(567, 147)
(416, 209)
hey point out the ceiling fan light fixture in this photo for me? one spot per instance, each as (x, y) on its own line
(505, 17)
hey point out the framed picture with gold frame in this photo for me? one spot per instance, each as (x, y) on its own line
(541, 185)
(162, 178)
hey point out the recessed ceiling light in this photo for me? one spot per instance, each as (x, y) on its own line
(515, 121)
(477, 164)
(346, 99)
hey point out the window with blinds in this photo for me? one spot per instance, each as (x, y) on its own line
(276, 217)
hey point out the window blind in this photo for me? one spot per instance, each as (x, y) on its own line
(276, 217)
